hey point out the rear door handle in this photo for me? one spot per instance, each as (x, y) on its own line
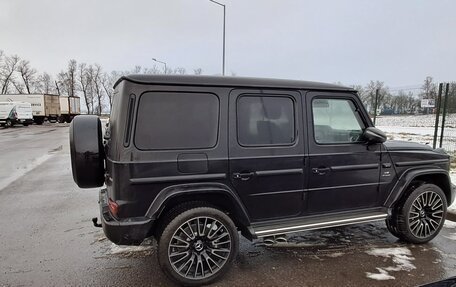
(243, 175)
(321, 170)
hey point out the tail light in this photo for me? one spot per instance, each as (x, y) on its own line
(113, 207)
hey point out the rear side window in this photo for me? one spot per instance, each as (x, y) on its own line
(265, 120)
(177, 121)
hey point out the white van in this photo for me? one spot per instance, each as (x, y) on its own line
(12, 113)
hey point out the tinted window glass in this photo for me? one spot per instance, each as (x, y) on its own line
(336, 121)
(177, 121)
(265, 120)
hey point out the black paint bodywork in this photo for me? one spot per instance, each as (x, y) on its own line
(255, 185)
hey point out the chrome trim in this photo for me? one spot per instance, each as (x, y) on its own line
(421, 162)
(157, 179)
(312, 226)
(279, 172)
(355, 167)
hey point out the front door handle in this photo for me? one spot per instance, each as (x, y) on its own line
(243, 175)
(321, 170)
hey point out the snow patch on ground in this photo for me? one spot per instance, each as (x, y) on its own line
(336, 254)
(451, 236)
(383, 275)
(401, 257)
(449, 224)
(125, 249)
(18, 173)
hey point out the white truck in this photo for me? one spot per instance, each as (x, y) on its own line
(69, 108)
(44, 106)
(12, 113)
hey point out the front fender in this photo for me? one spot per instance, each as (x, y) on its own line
(173, 191)
(409, 175)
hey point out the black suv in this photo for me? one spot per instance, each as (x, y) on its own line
(192, 160)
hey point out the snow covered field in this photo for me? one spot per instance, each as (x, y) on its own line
(415, 121)
(419, 128)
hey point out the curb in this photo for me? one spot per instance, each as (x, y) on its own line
(451, 215)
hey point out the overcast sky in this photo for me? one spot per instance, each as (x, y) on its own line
(398, 42)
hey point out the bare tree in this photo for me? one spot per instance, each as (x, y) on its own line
(198, 71)
(71, 74)
(27, 74)
(44, 84)
(98, 87)
(154, 70)
(179, 71)
(20, 88)
(107, 82)
(84, 77)
(429, 88)
(369, 94)
(67, 79)
(136, 70)
(7, 69)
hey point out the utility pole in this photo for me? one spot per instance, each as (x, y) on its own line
(437, 115)
(445, 103)
(161, 62)
(224, 21)
(375, 105)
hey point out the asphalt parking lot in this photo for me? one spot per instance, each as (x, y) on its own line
(47, 237)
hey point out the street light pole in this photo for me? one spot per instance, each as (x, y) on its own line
(224, 20)
(160, 63)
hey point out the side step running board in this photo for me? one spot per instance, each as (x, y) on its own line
(307, 224)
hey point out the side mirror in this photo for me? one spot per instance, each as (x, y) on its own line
(374, 135)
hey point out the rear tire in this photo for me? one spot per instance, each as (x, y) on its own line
(420, 217)
(197, 246)
(9, 123)
(39, 120)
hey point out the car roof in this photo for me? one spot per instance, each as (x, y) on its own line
(227, 81)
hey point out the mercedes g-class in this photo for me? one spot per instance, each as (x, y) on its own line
(193, 160)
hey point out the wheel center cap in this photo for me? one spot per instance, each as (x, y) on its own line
(422, 213)
(198, 245)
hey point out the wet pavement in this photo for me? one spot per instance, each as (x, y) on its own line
(47, 238)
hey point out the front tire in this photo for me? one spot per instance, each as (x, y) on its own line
(197, 246)
(421, 215)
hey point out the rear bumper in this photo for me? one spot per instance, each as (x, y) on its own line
(128, 231)
(24, 121)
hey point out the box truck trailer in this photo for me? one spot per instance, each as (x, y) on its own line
(44, 106)
(69, 108)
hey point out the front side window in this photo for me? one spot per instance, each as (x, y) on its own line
(265, 120)
(177, 121)
(336, 121)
